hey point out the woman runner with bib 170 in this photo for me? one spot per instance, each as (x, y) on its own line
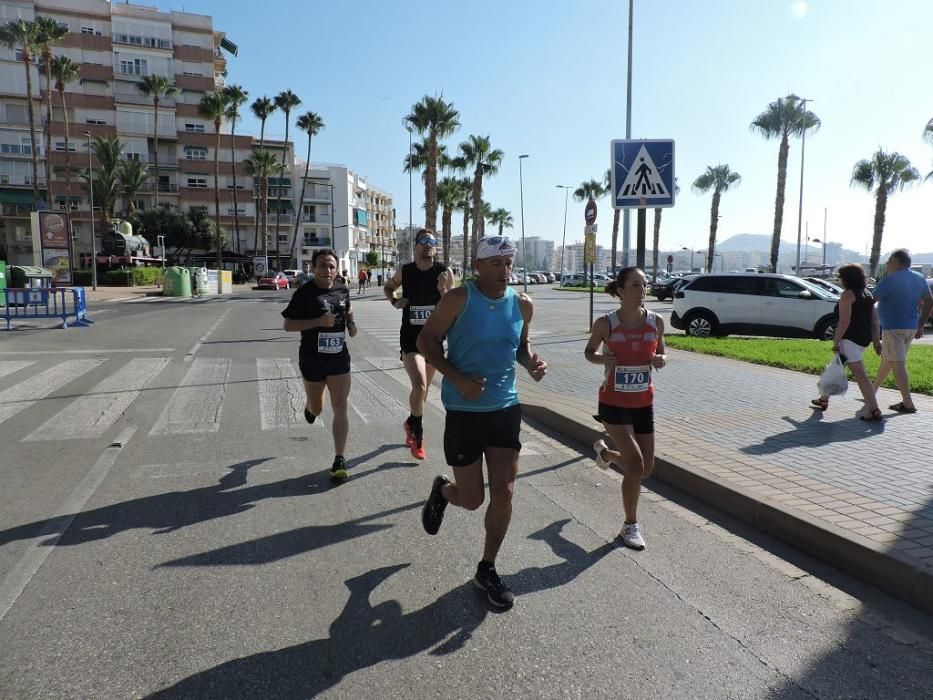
(629, 343)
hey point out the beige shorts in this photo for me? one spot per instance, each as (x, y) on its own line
(894, 344)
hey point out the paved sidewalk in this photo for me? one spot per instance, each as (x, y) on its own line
(742, 437)
(132, 293)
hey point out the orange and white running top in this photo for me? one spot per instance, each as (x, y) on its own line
(628, 384)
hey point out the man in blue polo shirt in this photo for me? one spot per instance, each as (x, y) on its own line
(904, 305)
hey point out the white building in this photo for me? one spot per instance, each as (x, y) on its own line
(537, 253)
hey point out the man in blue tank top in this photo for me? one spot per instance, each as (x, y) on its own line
(486, 324)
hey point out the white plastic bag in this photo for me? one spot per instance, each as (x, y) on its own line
(833, 381)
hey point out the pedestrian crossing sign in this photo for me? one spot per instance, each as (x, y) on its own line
(642, 173)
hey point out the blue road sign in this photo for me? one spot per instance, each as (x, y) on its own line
(642, 173)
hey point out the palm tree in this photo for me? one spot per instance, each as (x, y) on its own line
(24, 37)
(131, 176)
(50, 32)
(311, 124)
(886, 173)
(214, 107)
(785, 117)
(501, 218)
(591, 189)
(285, 101)
(928, 137)
(262, 107)
(236, 96)
(437, 119)
(260, 165)
(418, 160)
(156, 87)
(466, 206)
(607, 185)
(657, 230)
(717, 179)
(477, 153)
(109, 151)
(450, 193)
(65, 71)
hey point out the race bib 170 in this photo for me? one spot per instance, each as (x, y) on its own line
(330, 343)
(419, 315)
(631, 379)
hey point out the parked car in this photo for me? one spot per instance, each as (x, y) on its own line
(825, 284)
(292, 277)
(575, 279)
(664, 288)
(547, 277)
(930, 285)
(754, 304)
(276, 281)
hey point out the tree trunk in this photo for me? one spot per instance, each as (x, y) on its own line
(236, 201)
(881, 205)
(446, 222)
(430, 184)
(615, 238)
(61, 95)
(713, 225)
(155, 151)
(657, 239)
(301, 202)
(466, 237)
(264, 206)
(47, 55)
(27, 61)
(779, 203)
(478, 217)
(278, 200)
(262, 140)
(217, 195)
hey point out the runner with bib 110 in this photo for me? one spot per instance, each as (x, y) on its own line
(423, 283)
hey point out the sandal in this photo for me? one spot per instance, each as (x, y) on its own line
(820, 403)
(901, 408)
(874, 416)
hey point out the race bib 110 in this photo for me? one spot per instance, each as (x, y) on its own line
(419, 315)
(330, 343)
(632, 379)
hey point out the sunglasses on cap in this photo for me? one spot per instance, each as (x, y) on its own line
(426, 240)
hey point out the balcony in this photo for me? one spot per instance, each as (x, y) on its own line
(316, 242)
(316, 219)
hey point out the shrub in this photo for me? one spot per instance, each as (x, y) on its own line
(146, 276)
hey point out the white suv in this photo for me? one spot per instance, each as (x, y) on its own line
(754, 304)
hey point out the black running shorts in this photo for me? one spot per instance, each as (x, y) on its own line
(317, 368)
(467, 434)
(641, 419)
(408, 338)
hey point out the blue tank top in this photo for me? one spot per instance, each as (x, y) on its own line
(482, 343)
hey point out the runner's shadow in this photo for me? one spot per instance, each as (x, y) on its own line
(362, 636)
(814, 432)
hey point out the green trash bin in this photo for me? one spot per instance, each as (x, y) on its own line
(2, 282)
(29, 277)
(176, 282)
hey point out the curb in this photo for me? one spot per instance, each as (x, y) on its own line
(892, 572)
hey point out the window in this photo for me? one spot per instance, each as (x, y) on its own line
(97, 122)
(17, 115)
(131, 155)
(60, 146)
(195, 153)
(196, 210)
(88, 31)
(194, 128)
(198, 182)
(782, 288)
(134, 66)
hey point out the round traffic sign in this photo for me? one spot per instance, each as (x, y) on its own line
(670, 258)
(589, 214)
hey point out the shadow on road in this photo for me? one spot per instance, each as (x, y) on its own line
(813, 432)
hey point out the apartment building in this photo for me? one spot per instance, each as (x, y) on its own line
(536, 253)
(573, 256)
(116, 45)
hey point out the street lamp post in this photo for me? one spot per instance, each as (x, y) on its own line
(90, 185)
(563, 242)
(521, 199)
(411, 167)
(691, 256)
(161, 240)
(626, 226)
(803, 145)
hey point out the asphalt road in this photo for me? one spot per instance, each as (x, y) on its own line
(167, 528)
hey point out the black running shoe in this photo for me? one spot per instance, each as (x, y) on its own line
(310, 417)
(433, 512)
(500, 596)
(338, 472)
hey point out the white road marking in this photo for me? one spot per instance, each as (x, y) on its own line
(21, 396)
(281, 393)
(359, 412)
(21, 574)
(10, 366)
(92, 415)
(196, 405)
(114, 351)
(197, 346)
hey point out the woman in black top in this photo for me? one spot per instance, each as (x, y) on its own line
(856, 329)
(321, 311)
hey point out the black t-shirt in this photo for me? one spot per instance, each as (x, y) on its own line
(859, 330)
(420, 288)
(310, 301)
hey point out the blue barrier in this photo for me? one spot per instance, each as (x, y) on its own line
(57, 302)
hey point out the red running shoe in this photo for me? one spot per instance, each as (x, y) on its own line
(417, 445)
(409, 436)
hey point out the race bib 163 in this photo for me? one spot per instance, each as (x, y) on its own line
(330, 343)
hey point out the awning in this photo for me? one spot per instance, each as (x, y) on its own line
(229, 46)
(16, 196)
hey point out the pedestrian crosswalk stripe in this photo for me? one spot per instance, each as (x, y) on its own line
(23, 395)
(196, 405)
(91, 415)
(281, 394)
(10, 366)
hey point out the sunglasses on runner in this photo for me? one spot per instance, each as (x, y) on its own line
(491, 246)
(426, 240)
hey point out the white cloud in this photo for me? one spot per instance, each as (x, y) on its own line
(799, 9)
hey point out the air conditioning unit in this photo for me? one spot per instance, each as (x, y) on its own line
(4, 179)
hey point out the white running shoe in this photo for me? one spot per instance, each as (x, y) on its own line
(631, 536)
(599, 446)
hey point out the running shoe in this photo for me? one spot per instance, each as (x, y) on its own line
(338, 472)
(631, 536)
(499, 595)
(432, 514)
(417, 445)
(409, 435)
(310, 417)
(599, 447)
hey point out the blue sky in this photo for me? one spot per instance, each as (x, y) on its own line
(548, 79)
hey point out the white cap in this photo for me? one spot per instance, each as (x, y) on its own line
(491, 246)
